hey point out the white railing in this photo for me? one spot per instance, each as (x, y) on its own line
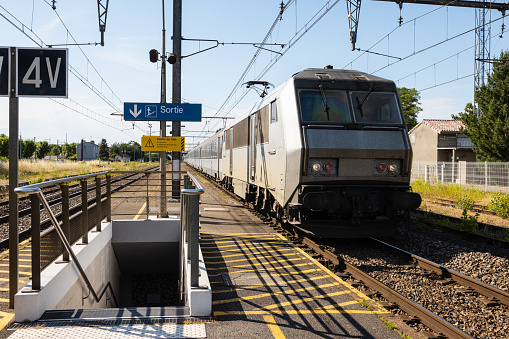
(487, 176)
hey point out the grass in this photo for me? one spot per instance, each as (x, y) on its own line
(464, 198)
(38, 171)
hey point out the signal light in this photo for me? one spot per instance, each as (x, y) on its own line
(328, 167)
(381, 167)
(153, 55)
(172, 58)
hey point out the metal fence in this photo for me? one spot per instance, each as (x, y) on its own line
(486, 176)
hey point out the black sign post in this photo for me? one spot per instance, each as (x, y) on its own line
(28, 72)
(4, 71)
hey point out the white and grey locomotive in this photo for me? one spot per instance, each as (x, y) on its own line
(327, 151)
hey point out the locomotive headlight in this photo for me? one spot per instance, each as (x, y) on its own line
(316, 167)
(381, 167)
(393, 168)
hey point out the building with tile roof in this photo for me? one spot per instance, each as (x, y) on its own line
(440, 140)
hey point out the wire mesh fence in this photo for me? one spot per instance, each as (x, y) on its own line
(486, 176)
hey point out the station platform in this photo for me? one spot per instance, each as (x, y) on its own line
(263, 286)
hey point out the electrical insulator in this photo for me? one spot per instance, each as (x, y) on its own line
(172, 58)
(153, 55)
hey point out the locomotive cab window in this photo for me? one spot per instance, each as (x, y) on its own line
(324, 106)
(273, 112)
(376, 107)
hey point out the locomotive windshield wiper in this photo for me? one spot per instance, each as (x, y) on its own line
(324, 101)
(359, 103)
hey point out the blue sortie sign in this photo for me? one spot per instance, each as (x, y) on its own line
(141, 111)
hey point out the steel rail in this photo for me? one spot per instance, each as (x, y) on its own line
(46, 224)
(485, 232)
(26, 211)
(427, 317)
(459, 278)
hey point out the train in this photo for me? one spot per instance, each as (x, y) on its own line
(327, 152)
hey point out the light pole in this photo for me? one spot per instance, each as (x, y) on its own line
(163, 213)
(150, 152)
(176, 90)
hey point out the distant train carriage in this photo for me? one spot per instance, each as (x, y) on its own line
(328, 151)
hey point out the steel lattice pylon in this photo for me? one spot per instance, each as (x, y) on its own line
(482, 66)
(353, 8)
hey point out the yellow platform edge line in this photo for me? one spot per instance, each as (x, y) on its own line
(273, 327)
(335, 277)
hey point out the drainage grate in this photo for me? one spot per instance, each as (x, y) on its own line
(110, 322)
(216, 209)
(251, 279)
(114, 332)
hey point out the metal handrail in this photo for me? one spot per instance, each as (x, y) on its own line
(54, 221)
(33, 188)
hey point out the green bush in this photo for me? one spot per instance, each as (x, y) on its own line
(38, 180)
(469, 222)
(500, 204)
(465, 202)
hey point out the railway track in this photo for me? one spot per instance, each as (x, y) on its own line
(435, 300)
(495, 235)
(55, 200)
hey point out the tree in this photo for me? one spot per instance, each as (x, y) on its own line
(28, 148)
(488, 128)
(69, 150)
(41, 149)
(55, 150)
(4, 146)
(411, 106)
(104, 153)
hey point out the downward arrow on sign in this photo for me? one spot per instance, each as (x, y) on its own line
(136, 112)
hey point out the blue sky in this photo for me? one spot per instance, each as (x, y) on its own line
(121, 71)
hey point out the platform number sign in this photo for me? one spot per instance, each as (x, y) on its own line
(4, 71)
(42, 72)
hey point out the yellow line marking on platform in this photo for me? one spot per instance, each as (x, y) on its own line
(346, 303)
(238, 247)
(255, 257)
(4, 300)
(300, 301)
(140, 211)
(210, 242)
(7, 265)
(3, 289)
(293, 312)
(274, 328)
(20, 272)
(257, 264)
(264, 269)
(21, 281)
(236, 255)
(232, 234)
(335, 277)
(263, 295)
(248, 287)
(6, 318)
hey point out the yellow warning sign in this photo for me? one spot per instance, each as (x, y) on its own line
(167, 144)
